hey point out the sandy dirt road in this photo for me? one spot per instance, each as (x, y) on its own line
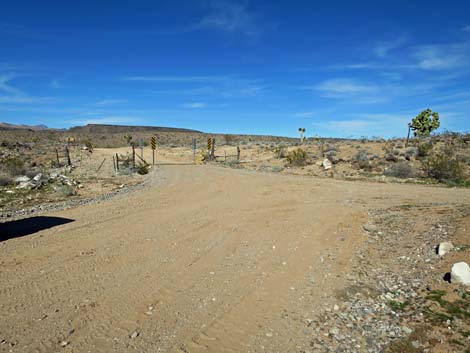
(206, 259)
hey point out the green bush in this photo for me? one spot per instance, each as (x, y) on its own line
(400, 170)
(445, 166)
(14, 166)
(297, 157)
(280, 151)
(362, 159)
(66, 190)
(424, 150)
(5, 180)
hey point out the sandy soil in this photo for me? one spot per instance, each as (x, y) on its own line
(204, 260)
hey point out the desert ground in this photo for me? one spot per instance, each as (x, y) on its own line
(251, 255)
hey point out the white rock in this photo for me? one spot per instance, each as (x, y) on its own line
(22, 179)
(444, 248)
(460, 273)
(26, 185)
(37, 177)
(327, 164)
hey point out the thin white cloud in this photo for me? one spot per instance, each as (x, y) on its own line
(109, 102)
(384, 47)
(440, 57)
(5, 87)
(56, 83)
(176, 78)
(195, 105)
(466, 28)
(109, 120)
(231, 17)
(344, 87)
(21, 99)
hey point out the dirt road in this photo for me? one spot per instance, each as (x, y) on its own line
(205, 260)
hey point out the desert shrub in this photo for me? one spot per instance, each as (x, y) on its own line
(14, 166)
(66, 190)
(362, 159)
(400, 170)
(142, 169)
(277, 169)
(297, 157)
(411, 152)
(330, 148)
(424, 150)
(280, 151)
(5, 180)
(88, 144)
(331, 153)
(444, 166)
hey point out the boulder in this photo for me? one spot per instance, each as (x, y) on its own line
(327, 164)
(460, 273)
(26, 185)
(22, 179)
(37, 177)
(444, 248)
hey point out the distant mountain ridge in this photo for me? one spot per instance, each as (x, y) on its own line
(7, 126)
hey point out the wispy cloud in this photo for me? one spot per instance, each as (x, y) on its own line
(5, 87)
(106, 120)
(382, 48)
(195, 105)
(466, 28)
(444, 56)
(13, 95)
(109, 102)
(176, 78)
(341, 87)
(231, 17)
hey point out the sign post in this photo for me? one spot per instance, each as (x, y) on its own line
(153, 144)
(194, 149)
(141, 146)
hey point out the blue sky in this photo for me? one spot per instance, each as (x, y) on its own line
(337, 68)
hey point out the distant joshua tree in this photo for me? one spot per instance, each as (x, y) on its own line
(301, 131)
(128, 138)
(423, 124)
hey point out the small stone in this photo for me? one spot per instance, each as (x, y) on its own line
(269, 334)
(444, 248)
(64, 343)
(461, 273)
(134, 334)
(406, 330)
(370, 228)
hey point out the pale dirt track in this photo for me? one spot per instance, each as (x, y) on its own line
(230, 261)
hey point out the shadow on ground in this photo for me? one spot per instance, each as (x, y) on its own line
(23, 227)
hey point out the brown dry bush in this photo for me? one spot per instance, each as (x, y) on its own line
(297, 157)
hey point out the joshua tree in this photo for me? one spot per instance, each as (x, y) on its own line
(128, 138)
(423, 124)
(301, 131)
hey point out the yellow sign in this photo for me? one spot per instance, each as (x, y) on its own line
(153, 143)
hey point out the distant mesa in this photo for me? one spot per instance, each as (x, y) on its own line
(98, 128)
(113, 129)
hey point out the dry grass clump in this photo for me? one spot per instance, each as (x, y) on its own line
(297, 157)
(401, 170)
